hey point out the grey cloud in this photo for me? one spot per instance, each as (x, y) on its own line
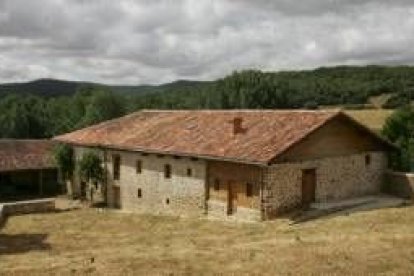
(146, 41)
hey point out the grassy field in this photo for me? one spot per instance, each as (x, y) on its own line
(373, 118)
(90, 242)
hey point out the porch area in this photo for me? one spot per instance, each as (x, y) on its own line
(28, 184)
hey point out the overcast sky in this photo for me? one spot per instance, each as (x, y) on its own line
(150, 41)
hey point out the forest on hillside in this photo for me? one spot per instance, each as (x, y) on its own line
(27, 111)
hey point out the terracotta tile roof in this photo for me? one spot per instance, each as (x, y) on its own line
(207, 134)
(26, 154)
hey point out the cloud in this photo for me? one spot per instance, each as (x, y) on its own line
(133, 42)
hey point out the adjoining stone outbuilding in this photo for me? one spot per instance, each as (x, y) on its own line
(245, 164)
(27, 170)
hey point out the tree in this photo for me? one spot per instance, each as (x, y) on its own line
(104, 105)
(63, 155)
(90, 167)
(399, 129)
(91, 170)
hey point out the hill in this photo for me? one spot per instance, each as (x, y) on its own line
(56, 88)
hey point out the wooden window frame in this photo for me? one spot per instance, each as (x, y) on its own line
(116, 166)
(138, 166)
(368, 160)
(167, 171)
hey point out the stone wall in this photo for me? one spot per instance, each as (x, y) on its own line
(150, 191)
(182, 194)
(276, 189)
(25, 207)
(337, 178)
(400, 184)
(28, 207)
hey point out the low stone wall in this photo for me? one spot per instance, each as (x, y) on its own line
(28, 207)
(400, 184)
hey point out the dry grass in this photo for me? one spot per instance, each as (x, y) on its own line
(380, 100)
(373, 118)
(86, 241)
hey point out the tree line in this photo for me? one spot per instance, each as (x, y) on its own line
(30, 115)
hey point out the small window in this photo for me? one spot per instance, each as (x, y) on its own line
(367, 160)
(167, 171)
(249, 189)
(216, 185)
(116, 160)
(139, 194)
(167, 201)
(138, 166)
(189, 172)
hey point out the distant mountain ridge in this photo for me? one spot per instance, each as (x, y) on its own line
(56, 88)
(346, 86)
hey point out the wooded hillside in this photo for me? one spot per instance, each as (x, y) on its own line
(45, 108)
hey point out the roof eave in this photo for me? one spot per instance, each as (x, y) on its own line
(172, 153)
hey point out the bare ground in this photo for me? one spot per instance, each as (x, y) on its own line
(88, 241)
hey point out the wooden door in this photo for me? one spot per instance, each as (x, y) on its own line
(231, 198)
(308, 187)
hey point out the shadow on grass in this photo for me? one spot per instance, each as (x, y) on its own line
(22, 243)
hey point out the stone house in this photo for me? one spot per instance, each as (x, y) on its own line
(244, 164)
(27, 170)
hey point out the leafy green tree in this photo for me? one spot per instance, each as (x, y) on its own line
(90, 167)
(103, 105)
(399, 129)
(63, 155)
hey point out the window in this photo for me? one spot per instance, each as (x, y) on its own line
(167, 171)
(138, 166)
(167, 201)
(189, 172)
(116, 161)
(216, 185)
(367, 160)
(139, 194)
(249, 189)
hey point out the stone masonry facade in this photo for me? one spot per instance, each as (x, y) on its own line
(150, 191)
(336, 178)
(188, 191)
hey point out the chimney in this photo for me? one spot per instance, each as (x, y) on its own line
(238, 126)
